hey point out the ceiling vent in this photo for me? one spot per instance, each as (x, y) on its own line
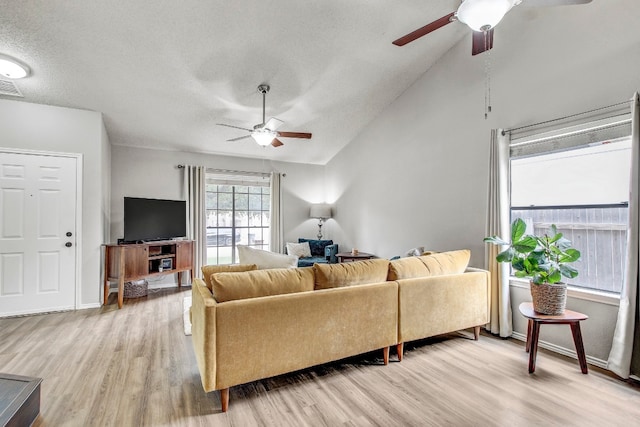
(8, 87)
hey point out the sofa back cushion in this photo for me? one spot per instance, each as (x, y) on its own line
(350, 273)
(452, 262)
(261, 283)
(316, 246)
(265, 259)
(208, 270)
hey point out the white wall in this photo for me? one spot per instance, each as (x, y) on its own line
(139, 172)
(65, 130)
(418, 174)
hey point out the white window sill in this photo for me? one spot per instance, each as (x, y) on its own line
(572, 292)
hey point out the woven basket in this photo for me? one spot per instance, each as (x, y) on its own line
(549, 299)
(136, 289)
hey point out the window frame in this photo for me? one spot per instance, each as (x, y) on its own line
(611, 126)
(241, 184)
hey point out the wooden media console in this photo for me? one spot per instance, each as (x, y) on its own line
(129, 262)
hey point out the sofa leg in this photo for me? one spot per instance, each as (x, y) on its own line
(385, 355)
(476, 332)
(224, 399)
(400, 350)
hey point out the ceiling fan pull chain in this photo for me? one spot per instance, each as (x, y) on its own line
(487, 81)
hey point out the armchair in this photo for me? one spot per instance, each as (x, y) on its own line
(322, 252)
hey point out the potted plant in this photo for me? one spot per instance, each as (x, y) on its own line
(544, 260)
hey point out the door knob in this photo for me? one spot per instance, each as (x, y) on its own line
(68, 244)
(69, 234)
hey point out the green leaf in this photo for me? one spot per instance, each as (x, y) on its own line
(555, 276)
(571, 255)
(563, 243)
(506, 256)
(518, 229)
(568, 271)
(495, 240)
(518, 264)
(526, 245)
(556, 237)
(521, 274)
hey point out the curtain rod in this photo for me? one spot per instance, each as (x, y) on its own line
(504, 132)
(229, 171)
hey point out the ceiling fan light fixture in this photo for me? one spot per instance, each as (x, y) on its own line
(12, 68)
(482, 15)
(263, 137)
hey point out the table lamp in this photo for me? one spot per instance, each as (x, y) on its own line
(320, 211)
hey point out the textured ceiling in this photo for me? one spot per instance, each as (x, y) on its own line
(163, 72)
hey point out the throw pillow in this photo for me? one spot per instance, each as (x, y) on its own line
(350, 273)
(261, 283)
(301, 250)
(208, 270)
(265, 259)
(317, 246)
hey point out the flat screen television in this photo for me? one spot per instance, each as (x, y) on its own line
(154, 219)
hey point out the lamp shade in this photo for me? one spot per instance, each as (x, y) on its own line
(482, 15)
(320, 210)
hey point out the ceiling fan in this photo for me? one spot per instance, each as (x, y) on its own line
(266, 133)
(481, 16)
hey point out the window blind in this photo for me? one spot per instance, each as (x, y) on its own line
(595, 133)
(228, 177)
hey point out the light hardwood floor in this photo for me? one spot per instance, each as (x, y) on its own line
(135, 367)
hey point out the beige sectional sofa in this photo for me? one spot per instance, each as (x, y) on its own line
(254, 324)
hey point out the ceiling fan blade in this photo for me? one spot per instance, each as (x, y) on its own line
(273, 124)
(295, 135)
(554, 2)
(276, 142)
(235, 127)
(482, 41)
(424, 30)
(239, 138)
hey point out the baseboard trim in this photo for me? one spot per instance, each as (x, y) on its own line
(562, 350)
(90, 305)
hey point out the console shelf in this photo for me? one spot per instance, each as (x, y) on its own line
(129, 262)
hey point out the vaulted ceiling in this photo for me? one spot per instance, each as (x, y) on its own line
(163, 73)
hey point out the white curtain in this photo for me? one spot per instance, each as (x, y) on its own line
(498, 225)
(277, 228)
(620, 357)
(194, 190)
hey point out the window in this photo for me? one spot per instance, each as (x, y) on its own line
(237, 213)
(578, 181)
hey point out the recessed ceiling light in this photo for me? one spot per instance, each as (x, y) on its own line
(12, 68)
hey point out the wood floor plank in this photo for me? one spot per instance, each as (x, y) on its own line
(135, 367)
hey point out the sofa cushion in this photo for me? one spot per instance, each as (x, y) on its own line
(317, 246)
(452, 262)
(265, 259)
(208, 270)
(261, 283)
(301, 250)
(350, 273)
(407, 268)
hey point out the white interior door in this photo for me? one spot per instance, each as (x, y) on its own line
(37, 233)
